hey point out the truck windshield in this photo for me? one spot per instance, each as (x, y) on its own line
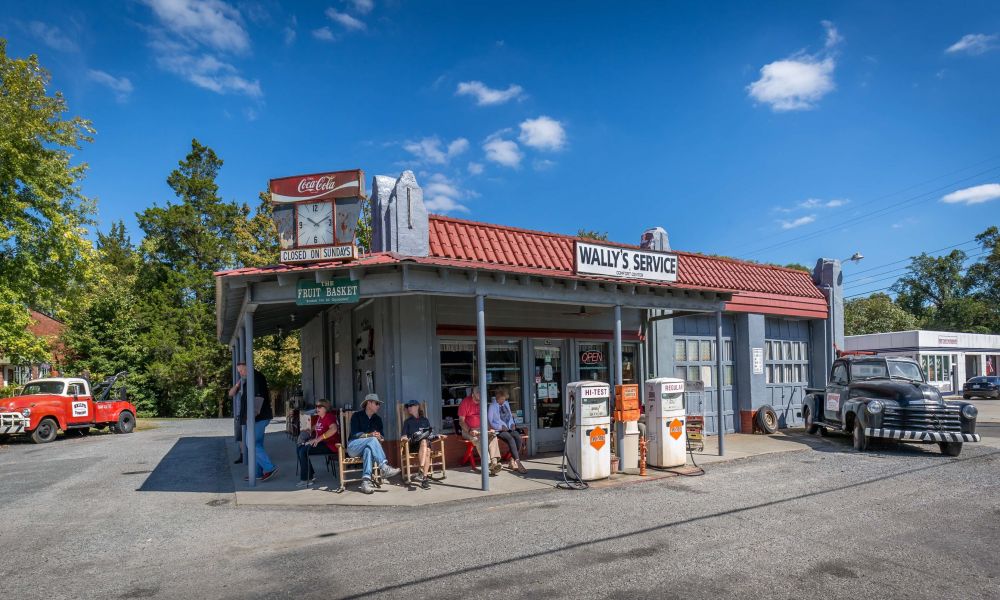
(43, 387)
(904, 369)
(869, 369)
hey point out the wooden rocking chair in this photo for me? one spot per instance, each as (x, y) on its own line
(408, 461)
(352, 465)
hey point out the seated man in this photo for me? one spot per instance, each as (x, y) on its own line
(502, 420)
(366, 442)
(468, 419)
(324, 440)
(414, 426)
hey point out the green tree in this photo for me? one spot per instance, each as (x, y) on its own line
(591, 234)
(876, 314)
(798, 267)
(43, 214)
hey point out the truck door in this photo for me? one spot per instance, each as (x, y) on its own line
(81, 407)
(836, 392)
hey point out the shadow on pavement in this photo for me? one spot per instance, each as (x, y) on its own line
(193, 464)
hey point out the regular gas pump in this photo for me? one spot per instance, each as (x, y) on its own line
(665, 420)
(588, 430)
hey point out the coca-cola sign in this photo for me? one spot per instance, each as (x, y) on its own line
(318, 186)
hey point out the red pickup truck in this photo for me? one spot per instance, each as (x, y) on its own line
(45, 406)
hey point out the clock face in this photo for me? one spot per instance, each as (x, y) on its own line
(315, 223)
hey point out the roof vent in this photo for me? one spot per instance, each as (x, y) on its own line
(399, 217)
(655, 239)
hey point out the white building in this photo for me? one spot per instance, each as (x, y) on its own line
(972, 353)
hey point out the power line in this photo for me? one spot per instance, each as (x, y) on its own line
(922, 197)
(897, 277)
(896, 262)
(895, 273)
(868, 293)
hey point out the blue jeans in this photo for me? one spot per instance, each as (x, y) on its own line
(264, 463)
(370, 451)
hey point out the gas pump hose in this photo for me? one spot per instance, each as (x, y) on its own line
(574, 483)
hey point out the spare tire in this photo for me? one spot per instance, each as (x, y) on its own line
(767, 419)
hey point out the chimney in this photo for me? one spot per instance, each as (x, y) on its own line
(399, 217)
(655, 238)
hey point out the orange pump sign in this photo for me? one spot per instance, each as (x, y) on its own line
(676, 429)
(597, 438)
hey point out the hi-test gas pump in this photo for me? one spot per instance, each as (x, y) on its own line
(588, 429)
(665, 420)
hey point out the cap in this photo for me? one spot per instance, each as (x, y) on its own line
(372, 398)
(410, 403)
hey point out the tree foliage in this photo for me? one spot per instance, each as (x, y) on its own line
(592, 234)
(876, 314)
(43, 214)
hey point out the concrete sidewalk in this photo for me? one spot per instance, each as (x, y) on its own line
(544, 472)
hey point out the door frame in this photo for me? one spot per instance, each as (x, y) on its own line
(563, 345)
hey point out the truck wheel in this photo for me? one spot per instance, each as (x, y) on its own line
(860, 439)
(126, 422)
(767, 420)
(811, 427)
(950, 448)
(46, 431)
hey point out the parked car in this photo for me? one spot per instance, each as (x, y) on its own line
(45, 406)
(879, 397)
(985, 386)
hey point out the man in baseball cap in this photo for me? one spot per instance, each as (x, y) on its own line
(366, 442)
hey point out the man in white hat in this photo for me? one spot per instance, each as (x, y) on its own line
(366, 441)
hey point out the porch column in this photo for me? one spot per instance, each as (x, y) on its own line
(619, 426)
(484, 440)
(719, 402)
(251, 442)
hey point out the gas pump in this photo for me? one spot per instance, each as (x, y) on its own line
(588, 430)
(665, 421)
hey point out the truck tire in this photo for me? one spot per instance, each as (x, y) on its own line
(46, 431)
(767, 419)
(811, 427)
(126, 423)
(950, 448)
(860, 439)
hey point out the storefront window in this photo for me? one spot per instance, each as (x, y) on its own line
(459, 372)
(700, 360)
(630, 363)
(594, 364)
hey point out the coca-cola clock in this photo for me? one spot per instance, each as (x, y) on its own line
(316, 215)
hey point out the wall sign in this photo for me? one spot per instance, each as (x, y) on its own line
(758, 361)
(624, 263)
(316, 216)
(951, 340)
(318, 186)
(320, 253)
(591, 357)
(338, 291)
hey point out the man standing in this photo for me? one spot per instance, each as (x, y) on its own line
(239, 403)
(468, 419)
(263, 416)
(366, 442)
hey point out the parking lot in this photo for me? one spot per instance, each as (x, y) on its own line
(152, 514)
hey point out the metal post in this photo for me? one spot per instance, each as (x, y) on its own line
(484, 440)
(619, 426)
(719, 380)
(251, 441)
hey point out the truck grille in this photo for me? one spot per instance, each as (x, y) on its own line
(922, 418)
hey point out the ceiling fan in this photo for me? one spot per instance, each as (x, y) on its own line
(580, 313)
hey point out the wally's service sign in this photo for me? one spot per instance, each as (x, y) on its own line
(625, 263)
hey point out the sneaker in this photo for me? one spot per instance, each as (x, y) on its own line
(495, 468)
(388, 471)
(305, 484)
(366, 486)
(269, 474)
(425, 483)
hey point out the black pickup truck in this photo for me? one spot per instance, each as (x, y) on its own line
(886, 397)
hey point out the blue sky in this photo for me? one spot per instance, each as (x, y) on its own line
(779, 133)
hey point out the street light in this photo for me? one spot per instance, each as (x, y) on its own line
(857, 257)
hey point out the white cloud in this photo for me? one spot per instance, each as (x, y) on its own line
(204, 70)
(344, 19)
(324, 34)
(503, 152)
(487, 96)
(362, 6)
(121, 86)
(212, 23)
(799, 81)
(431, 149)
(974, 195)
(543, 133)
(797, 222)
(812, 203)
(289, 32)
(51, 36)
(475, 168)
(973, 43)
(442, 195)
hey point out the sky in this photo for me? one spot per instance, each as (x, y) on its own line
(782, 132)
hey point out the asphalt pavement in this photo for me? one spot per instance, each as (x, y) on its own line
(151, 515)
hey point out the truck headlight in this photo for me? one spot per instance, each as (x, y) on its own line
(875, 407)
(25, 412)
(969, 411)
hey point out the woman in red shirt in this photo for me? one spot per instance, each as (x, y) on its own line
(325, 440)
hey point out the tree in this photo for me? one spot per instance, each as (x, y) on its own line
(930, 282)
(876, 314)
(43, 214)
(592, 234)
(798, 267)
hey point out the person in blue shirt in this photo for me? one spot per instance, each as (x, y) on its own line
(501, 419)
(366, 442)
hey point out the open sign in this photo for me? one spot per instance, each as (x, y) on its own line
(592, 357)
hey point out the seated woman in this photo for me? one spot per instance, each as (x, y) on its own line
(325, 439)
(411, 427)
(502, 420)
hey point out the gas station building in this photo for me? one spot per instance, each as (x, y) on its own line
(410, 314)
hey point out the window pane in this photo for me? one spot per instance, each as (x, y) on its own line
(788, 350)
(680, 372)
(706, 375)
(778, 374)
(692, 349)
(679, 354)
(947, 364)
(728, 371)
(800, 371)
(788, 374)
(805, 351)
(706, 350)
(728, 345)
(769, 374)
(797, 349)
(694, 374)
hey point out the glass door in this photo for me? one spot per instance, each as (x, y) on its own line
(547, 394)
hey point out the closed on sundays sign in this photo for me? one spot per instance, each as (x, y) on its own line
(625, 263)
